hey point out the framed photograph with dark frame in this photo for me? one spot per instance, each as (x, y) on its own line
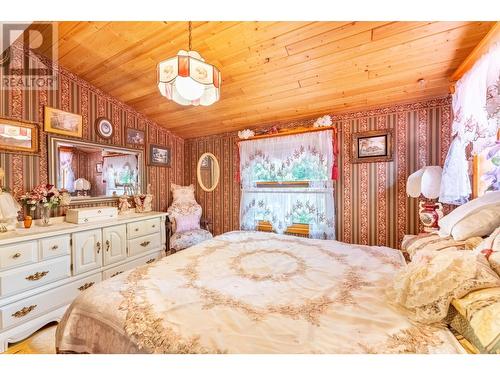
(18, 136)
(372, 146)
(98, 167)
(135, 136)
(159, 156)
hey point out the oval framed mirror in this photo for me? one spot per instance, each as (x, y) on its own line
(208, 171)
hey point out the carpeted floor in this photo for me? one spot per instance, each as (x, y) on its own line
(41, 342)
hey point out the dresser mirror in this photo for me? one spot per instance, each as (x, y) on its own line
(93, 172)
(208, 171)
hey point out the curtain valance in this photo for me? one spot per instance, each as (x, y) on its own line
(301, 157)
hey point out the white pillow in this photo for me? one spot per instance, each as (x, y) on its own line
(479, 224)
(488, 200)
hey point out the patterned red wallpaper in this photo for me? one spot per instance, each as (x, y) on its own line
(371, 202)
(78, 96)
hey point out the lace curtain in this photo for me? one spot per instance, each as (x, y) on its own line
(302, 157)
(476, 109)
(119, 172)
(66, 177)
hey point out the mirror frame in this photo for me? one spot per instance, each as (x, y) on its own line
(217, 173)
(53, 163)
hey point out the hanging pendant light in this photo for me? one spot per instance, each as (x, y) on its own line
(188, 80)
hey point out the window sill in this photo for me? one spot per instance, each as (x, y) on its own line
(295, 229)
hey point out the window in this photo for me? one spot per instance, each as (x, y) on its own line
(287, 186)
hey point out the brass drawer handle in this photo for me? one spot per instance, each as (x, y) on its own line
(98, 244)
(24, 311)
(153, 226)
(16, 255)
(99, 211)
(116, 273)
(85, 286)
(85, 220)
(136, 229)
(150, 261)
(37, 276)
(55, 247)
(145, 243)
(108, 245)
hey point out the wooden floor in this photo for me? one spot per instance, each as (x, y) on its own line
(41, 342)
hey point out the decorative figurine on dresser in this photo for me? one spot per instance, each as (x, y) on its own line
(144, 202)
(43, 268)
(124, 205)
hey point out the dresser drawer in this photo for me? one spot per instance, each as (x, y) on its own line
(115, 271)
(32, 276)
(18, 254)
(54, 246)
(142, 228)
(144, 244)
(42, 303)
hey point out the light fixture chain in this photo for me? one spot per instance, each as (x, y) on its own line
(190, 29)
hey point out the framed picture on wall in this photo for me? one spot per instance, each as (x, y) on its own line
(135, 137)
(372, 146)
(159, 156)
(18, 136)
(61, 122)
(98, 167)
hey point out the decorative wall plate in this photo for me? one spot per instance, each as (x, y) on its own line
(104, 127)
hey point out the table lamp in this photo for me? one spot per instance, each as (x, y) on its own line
(426, 182)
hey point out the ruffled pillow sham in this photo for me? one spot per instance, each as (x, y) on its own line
(426, 287)
(412, 244)
(490, 247)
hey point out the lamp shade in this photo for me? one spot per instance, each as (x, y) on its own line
(426, 181)
(188, 80)
(81, 184)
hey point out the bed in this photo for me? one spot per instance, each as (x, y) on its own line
(252, 292)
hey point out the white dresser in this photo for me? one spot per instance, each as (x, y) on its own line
(42, 269)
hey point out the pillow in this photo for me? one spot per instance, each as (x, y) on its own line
(477, 318)
(488, 200)
(182, 194)
(478, 224)
(490, 247)
(187, 222)
(426, 287)
(412, 244)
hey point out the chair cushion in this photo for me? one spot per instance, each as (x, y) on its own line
(183, 240)
(187, 222)
(183, 209)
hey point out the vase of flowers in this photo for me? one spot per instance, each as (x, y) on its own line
(46, 197)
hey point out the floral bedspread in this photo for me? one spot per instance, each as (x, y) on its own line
(251, 292)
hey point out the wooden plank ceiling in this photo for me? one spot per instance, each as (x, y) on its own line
(271, 71)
